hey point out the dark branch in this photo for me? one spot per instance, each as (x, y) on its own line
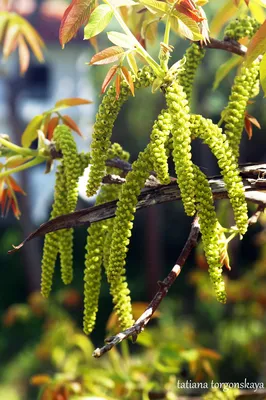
(156, 194)
(164, 286)
(227, 45)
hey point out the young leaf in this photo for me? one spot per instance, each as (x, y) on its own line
(10, 41)
(257, 45)
(117, 85)
(99, 19)
(109, 76)
(15, 161)
(24, 55)
(30, 133)
(132, 63)
(14, 185)
(128, 79)
(107, 56)
(249, 121)
(51, 127)
(73, 101)
(190, 11)
(187, 27)
(76, 14)
(121, 40)
(4, 18)
(71, 124)
(263, 74)
(32, 37)
(156, 6)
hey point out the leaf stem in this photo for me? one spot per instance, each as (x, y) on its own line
(165, 50)
(31, 163)
(155, 66)
(17, 149)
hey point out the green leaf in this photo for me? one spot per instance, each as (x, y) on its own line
(187, 27)
(156, 6)
(225, 68)
(98, 21)
(30, 133)
(121, 40)
(263, 74)
(132, 63)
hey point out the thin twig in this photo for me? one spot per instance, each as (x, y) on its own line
(255, 217)
(164, 286)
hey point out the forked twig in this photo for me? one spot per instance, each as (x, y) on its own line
(164, 286)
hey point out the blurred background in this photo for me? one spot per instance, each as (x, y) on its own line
(43, 351)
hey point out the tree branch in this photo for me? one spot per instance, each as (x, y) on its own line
(164, 286)
(254, 184)
(227, 45)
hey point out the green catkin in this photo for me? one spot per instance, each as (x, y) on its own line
(122, 227)
(67, 235)
(51, 240)
(84, 161)
(193, 58)
(159, 137)
(105, 119)
(179, 111)
(224, 394)
(212, 135)
(93, 263)
(242, 27)
(210, 230)
(65, 142)
(234, 115)
(96, 244)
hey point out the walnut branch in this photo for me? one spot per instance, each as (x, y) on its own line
(227, 45)
(164, 286)
(254, 185)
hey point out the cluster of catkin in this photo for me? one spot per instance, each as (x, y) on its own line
(171, 135)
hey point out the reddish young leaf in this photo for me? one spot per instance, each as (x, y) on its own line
(45, 124)
(128, 79)
(3, 200)
(14, 185)
(107, 56)
(249, 121)
(189, 12)
(76, 14)
(71, 124)
(14, 205)
(118, 86)
(2, 184)
(51, 127)
(109, 76)
(24, 55)
(38, 380)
